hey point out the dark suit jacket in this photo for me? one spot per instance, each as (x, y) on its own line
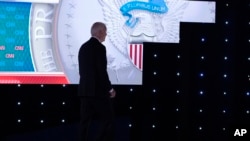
(94, 80)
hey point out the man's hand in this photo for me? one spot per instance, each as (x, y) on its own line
(112, 93)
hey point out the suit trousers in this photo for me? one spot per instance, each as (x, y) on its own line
(100, 110)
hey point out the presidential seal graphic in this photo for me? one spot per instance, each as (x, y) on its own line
(130, 23)
(57, 28)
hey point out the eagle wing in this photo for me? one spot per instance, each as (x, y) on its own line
(170, 23)
(114, 21)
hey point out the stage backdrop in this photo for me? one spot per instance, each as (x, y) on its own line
(40, 39)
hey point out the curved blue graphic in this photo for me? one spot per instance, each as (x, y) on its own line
(155, 6)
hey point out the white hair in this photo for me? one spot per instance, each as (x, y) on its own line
(97, 28)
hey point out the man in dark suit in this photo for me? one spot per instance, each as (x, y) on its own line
(95, 89)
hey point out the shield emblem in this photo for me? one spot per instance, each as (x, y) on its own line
(135, 52)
